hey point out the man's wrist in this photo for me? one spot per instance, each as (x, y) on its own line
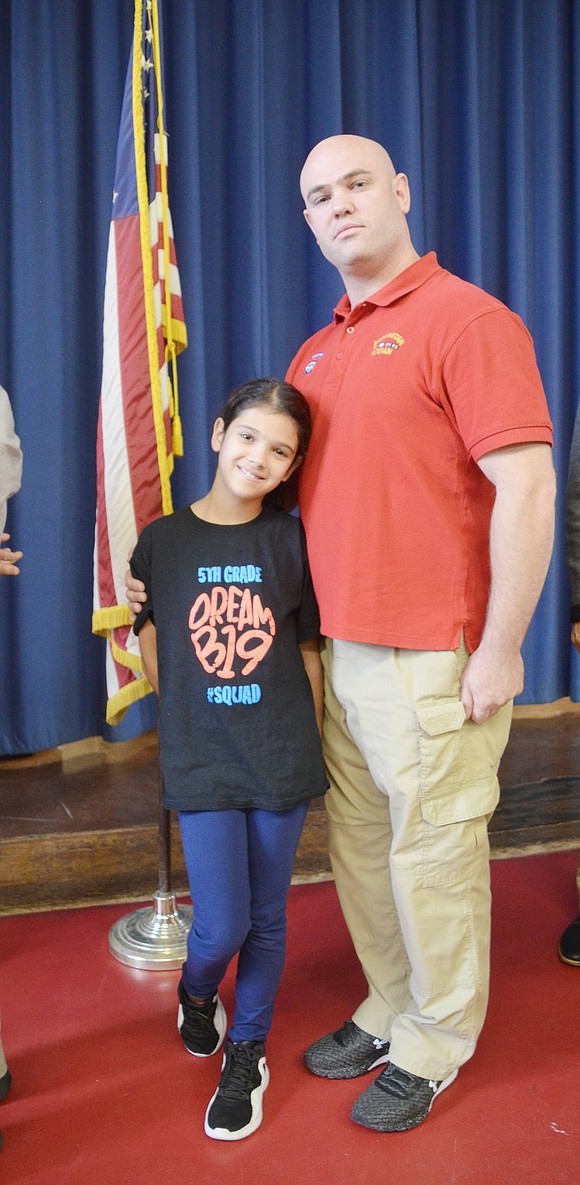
(500, 648)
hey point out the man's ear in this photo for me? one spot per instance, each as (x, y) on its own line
(217, 435)
(307, 220)
(402, 191)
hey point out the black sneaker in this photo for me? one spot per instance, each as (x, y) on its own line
(5, 1083)
(235, 1111)
(397, 1100)
(202, 1026)
(347, 1053)
(569, 948)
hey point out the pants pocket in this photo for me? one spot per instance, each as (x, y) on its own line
(458, 762)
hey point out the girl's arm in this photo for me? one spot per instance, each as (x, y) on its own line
(148, 648)
(311, 658)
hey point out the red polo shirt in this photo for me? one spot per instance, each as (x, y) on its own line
(408, 391)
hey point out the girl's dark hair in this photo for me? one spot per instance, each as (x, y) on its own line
(275, 395)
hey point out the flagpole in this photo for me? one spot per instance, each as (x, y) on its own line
(139, 430)
(164, 841)
(155, 938)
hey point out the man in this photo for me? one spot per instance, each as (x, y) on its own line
(10, 478)
(427, 498)
(569, 947)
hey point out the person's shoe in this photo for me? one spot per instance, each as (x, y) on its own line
(202, 1026)
(397, 1100)
(569, 948)
(235, 1110)
(5, 1084)
(347, 1053)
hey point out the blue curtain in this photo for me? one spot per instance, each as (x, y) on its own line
(477, 100)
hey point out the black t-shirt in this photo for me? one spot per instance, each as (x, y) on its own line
(230, 605)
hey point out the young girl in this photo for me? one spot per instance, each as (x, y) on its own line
(229, 640)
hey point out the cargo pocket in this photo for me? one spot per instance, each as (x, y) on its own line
(459, 762)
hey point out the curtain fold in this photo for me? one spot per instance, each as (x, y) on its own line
(478, 101)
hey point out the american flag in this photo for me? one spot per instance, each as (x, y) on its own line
(138, 430)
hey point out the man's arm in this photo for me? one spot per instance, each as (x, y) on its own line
(521, 539)
(9, 559)
(311, 658)
(148, 648)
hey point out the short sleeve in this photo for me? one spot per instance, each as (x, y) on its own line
(491, 385)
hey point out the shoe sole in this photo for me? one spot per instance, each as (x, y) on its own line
(569, 962)
(222, 1133)
(220, 1021)
(380, 1061)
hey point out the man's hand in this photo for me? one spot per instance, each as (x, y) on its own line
(489, 681)
(136, 595)
(9, 559)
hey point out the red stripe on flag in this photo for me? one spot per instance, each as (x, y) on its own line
(106, 586)
(135, 375)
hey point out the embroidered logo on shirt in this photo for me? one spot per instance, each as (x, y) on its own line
(310, 365)
(388, 343)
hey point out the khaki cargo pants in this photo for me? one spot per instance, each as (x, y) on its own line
(413, 785)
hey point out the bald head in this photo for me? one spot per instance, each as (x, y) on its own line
(357, 152)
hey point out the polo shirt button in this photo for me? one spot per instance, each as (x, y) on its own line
(350, 329)
(340, 354)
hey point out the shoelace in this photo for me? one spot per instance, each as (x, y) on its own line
(237, 1072)
(348, 1035)
(397, 1082)
(197, 1017)
(351, 1035)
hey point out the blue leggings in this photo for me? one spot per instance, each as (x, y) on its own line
(239, 865)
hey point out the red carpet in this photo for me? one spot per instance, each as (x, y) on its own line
(104, 1093)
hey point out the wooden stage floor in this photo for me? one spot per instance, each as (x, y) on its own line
(79, 824)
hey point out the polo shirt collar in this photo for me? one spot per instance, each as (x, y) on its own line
(412, 277)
